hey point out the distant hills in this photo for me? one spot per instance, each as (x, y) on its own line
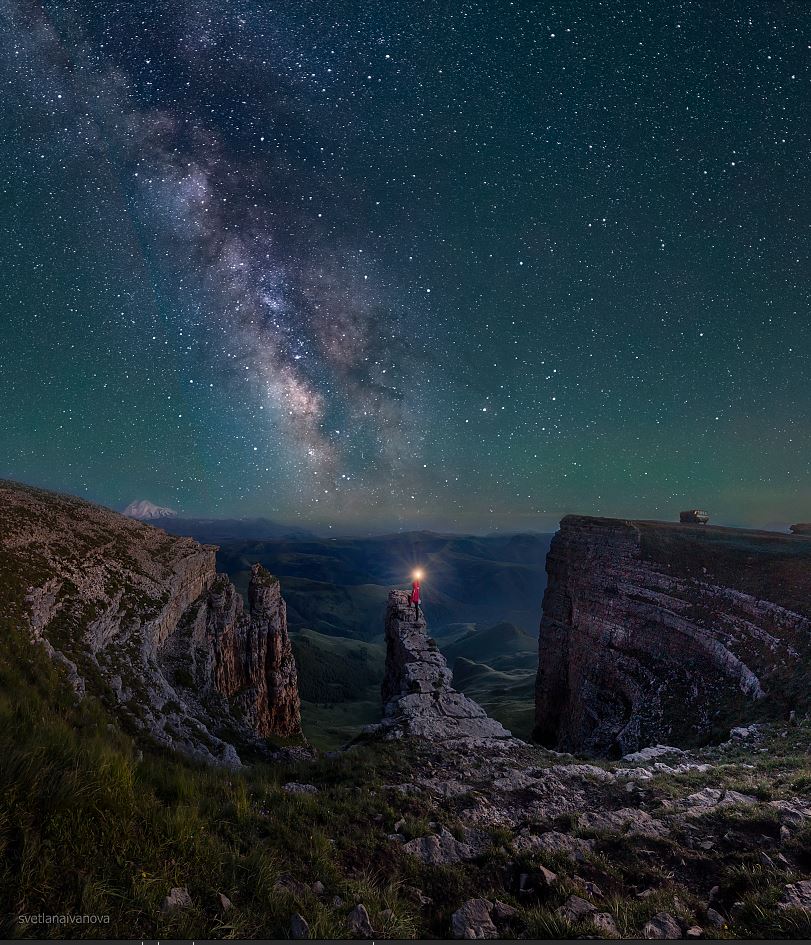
(215, 531)
(502, 647)
(338, 586)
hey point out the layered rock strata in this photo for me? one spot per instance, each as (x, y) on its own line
(143, 620)
(653, 632)
(418, 698)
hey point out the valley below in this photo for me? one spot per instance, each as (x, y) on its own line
(483, 593)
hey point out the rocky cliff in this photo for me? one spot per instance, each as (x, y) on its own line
(142, 619)
(653, 632)
(418, 699)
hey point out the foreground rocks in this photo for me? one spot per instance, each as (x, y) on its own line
(662, 926)
(143, 620)
(473, 921)
(565, 832)
(797, 896)
(418, 699)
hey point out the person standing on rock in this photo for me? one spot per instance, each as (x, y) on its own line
(415, 594)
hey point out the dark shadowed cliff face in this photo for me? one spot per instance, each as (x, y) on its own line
(141, 619)
(653, 632)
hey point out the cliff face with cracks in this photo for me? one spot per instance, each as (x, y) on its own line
(418, 699)
(141, 619)
(653, 632)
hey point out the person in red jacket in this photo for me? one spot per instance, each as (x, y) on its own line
(415, 594)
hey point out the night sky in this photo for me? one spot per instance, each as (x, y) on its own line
(469, 265)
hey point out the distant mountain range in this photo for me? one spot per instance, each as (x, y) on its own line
(338, 586)
(215, 531)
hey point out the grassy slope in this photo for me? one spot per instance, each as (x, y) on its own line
(507, 696)
(339, 683)
(503, 646)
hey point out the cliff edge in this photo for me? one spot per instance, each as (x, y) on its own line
(656, 632)
(143, 621)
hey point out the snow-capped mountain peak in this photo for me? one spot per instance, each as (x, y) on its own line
(144, 509)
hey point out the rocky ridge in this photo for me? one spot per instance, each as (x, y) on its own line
(418, 698)
(656, 632)
(142, 619)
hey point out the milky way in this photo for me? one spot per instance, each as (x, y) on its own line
(471, 265)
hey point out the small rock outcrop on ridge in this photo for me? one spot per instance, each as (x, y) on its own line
(418, 699)
(656, 632)
(694, 517)
(143, 621)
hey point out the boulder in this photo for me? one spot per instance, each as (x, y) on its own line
(359, 924)
(472, 920)
(178, 898)
(630, 821)
(797, 896)
(662, 925)
(553, 841)
(417, 896)
(546, 877)
(604, 922)
(591, 889)
(715, 918)
(651, 752)
(503, 911)
(713, 798)
(294, 787)
(576, 908)
(440, 849)
(299, 928)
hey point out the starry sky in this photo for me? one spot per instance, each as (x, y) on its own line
(460, 264)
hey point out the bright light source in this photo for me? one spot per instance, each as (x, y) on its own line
(418, 575)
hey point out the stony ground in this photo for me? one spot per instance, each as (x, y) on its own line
(708, 844)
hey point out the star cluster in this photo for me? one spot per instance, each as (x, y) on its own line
(469, 265)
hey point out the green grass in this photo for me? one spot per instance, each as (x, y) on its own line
(85, 826)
